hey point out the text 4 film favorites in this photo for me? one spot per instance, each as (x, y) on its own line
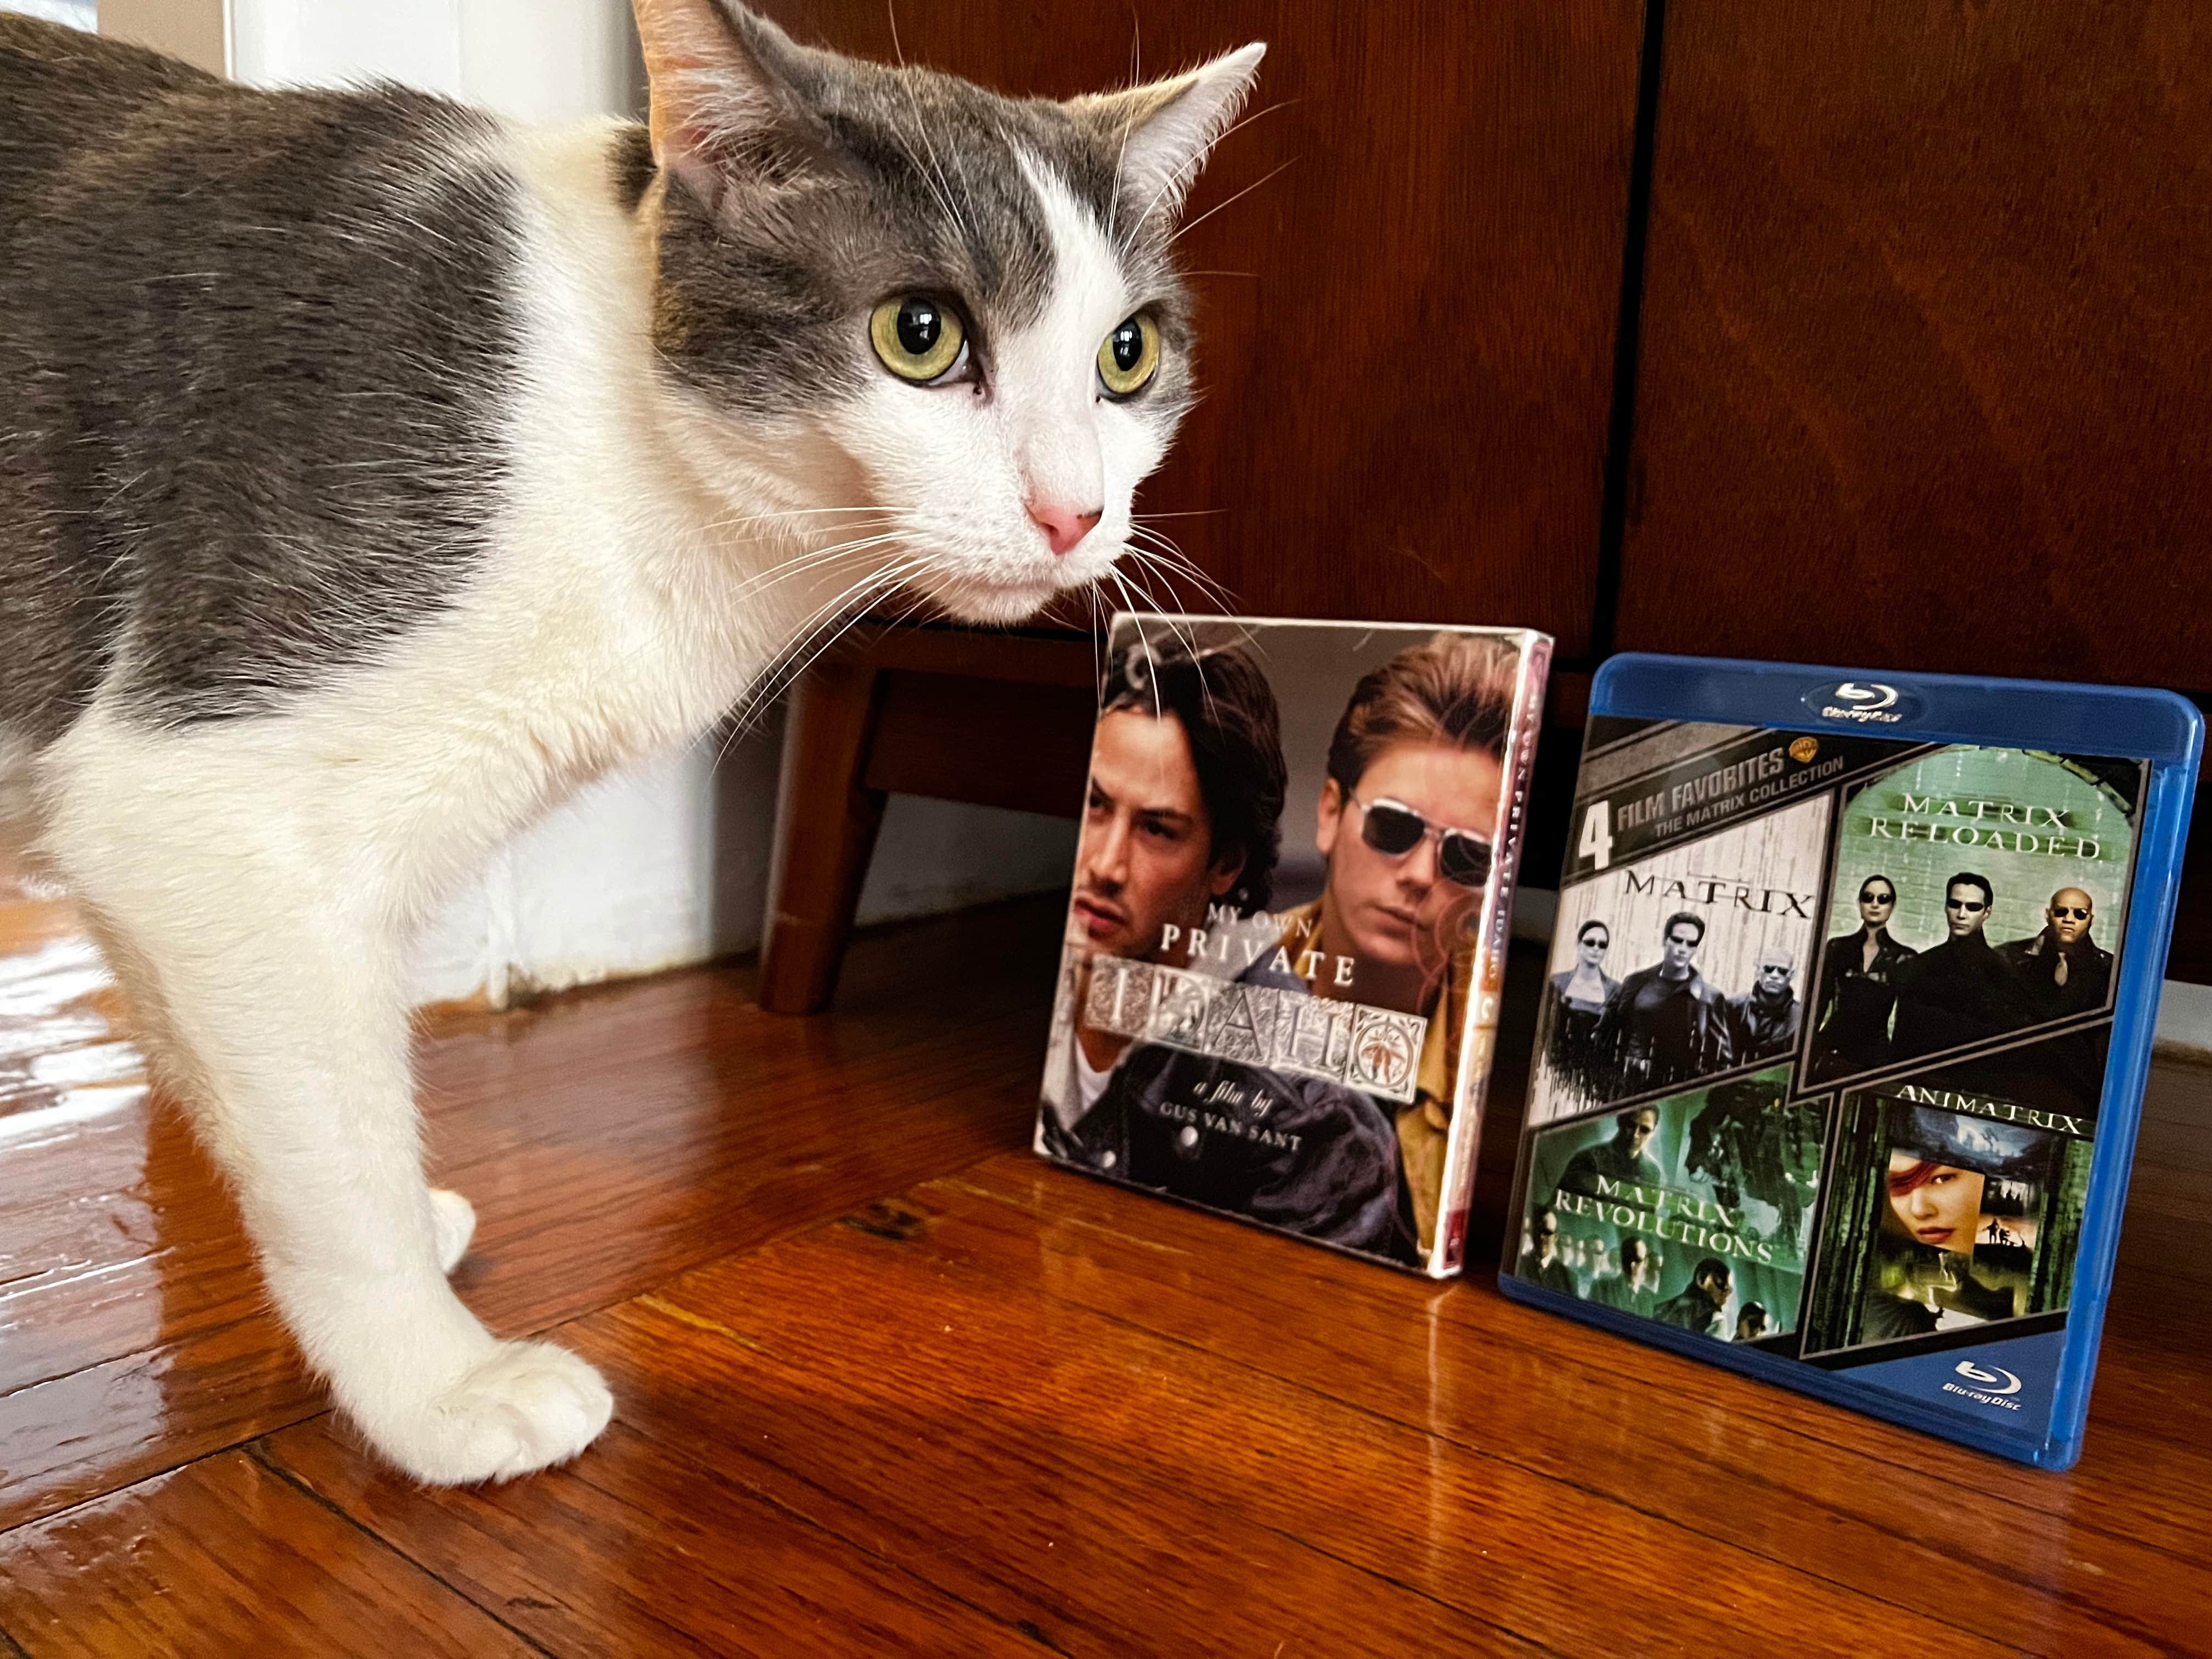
(1835, 1024)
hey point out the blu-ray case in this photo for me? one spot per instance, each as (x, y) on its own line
(1847, 1022)
(1287, 930)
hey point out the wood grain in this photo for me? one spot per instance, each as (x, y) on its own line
(1070, 1419)
(993, 1407)
(608, 1139)
(1405, 335)
(223, 1559)
(1923, 358)
(1764, 1470)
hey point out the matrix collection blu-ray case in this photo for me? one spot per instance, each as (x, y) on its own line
(1845, 1030)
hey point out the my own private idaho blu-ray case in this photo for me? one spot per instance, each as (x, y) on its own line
(1278, 987)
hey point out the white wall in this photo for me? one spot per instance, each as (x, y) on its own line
(667, 864)
(77, 14)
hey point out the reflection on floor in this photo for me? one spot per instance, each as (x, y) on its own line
(886, 1384)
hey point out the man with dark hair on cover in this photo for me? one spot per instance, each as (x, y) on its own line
(1541, 1262)
(1702, 1304)
(1750, 1323)
(1665, 1025)
(1184, 811)
(1763, 1021)
(1635, 1288)
(1959, 991)
(1621, 1159)
(1858, 972)
(2062, 971)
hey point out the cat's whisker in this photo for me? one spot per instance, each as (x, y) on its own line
(1157, 550)
(1189, 639)
(1189, 225)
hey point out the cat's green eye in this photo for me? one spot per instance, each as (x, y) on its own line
(917, 337)
(1129, 357)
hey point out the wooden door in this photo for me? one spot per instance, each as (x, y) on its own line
(1924, 357)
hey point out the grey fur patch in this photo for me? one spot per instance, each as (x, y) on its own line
(876, 181)
(258, 348)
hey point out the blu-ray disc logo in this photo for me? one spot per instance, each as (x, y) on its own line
(1988, 1387)
(1869, 698)
(1862, 703)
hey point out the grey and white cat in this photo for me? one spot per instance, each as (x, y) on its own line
(373, 473)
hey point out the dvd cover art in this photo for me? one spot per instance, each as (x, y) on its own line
(1824, 1045)
(1278, 991)
(1953, 1209)
(1695, 1209)
(1972, 886)
(1708, 939)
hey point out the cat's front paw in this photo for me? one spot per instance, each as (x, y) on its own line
(523, 1406)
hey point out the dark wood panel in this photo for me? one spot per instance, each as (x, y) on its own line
(222, 1559)
(962, 737)
(1924, 344)
(1407, 335)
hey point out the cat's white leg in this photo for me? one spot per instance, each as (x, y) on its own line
(274, 983)
(454, 1219)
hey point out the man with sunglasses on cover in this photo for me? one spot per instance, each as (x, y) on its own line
(2062, 971)
(1666, 1025)
(1960, 991)
(1406, 821)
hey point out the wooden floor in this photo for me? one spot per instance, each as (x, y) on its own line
(888, 1386)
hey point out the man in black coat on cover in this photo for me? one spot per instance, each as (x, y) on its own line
(1621, 1158)
(1702, 1304)
(2062, 971)
(1666, 1025)
(1962, 991)
(1763, 1021)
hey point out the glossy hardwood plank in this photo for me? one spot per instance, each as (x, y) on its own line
(946, 1338)
(609, 1139)
(2145, 1477)
(1036, 1538)
(223, 1559)
(1766, 1471)
(647, 1547)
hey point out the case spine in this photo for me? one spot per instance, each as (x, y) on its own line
(1478, 1048)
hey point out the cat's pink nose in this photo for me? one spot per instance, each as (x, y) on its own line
(1063, 526)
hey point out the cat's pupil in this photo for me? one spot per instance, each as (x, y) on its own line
(919, 325)
(1128, 347)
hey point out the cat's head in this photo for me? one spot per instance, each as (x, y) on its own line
(954, 311)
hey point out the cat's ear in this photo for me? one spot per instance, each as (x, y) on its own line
(726, 105)
(1164, 130)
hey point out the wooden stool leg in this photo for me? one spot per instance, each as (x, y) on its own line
(825, 829)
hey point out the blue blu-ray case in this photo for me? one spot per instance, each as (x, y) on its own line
(1846, 1026)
